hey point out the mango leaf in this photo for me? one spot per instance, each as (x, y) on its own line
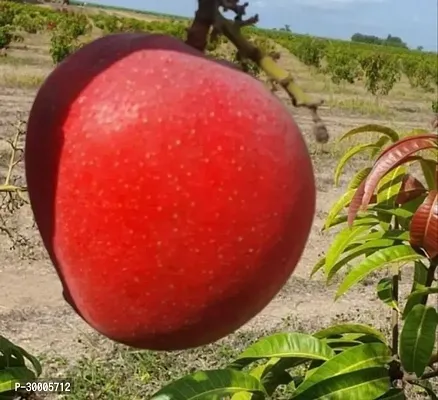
(348, 155)
(379, 259)
(417, 338)
(387, 190)
(358, 178)
(317, 266)
(392, 157)
(9, 349)
(208, 384)
(313, 366)
(379, 144)
(356, 203)
(360, 384)
(420, 294)
(341, 344)
(340, 243)
(340, 204)
(402, 214)
(426, 387)
(411, 188)
(357, 252)
(393, 394)
(271, 376)
(385, 292)
(357, 247)
(362, 338)
(12, 375)
(277, 374)
(389, 186)
(366, 359)
(418, 284)
(361, 220)
(343, 329)
(15, 366)
(390, 133)
(424, 226)
(429, 168)
(281, 345)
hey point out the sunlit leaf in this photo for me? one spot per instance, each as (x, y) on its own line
(391, 133)
(381, 258)
(348, 155)
(207, 384)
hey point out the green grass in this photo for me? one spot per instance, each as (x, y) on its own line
(121, 373)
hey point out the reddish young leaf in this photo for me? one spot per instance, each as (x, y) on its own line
(355, 203)
(410, 190)
(424, 226)
(395, 155)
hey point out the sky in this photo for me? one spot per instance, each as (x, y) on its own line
(415, 21)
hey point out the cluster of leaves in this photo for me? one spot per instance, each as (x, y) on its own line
(8, 31)
(16, 366)
(67, 34)
(379, 67)
(421, 72)
(390, 219)
(381, 72)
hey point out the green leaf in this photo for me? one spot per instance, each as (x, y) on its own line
(358, 251)
(387, 190)
(358, 178)
(12, 375)
(340, 204)
(271, 374)
(342, 329)
(429, 171)
(361, 359)
(419, 282)
(385, 292)
(379, 144)
(367, 220)
(418, 295)
(342, 344)
(15, 358)
(393, 394)
(427, 387)
(357, 248)
(379, 259)
(348, 155)
(281, 345)
(417, 338)
(391, 133)
(317, 266)
(367, 383)
(207, 384)
(340, 243)
(402, 214)
(277, 374)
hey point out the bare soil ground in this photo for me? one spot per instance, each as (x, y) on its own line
(32, 310)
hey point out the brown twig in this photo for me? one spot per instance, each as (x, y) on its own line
(208, 16)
